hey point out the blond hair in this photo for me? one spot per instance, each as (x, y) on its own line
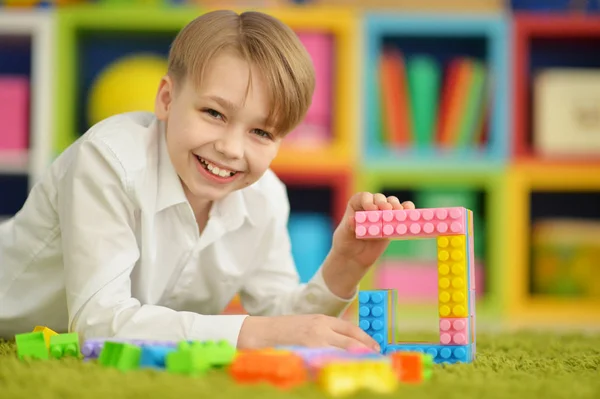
(262, 40)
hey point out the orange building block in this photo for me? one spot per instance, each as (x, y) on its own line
(281, 369)
(410, 367)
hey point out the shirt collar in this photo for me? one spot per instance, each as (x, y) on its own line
(233, 209)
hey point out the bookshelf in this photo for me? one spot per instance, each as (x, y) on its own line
(553, 194)
(439, 39)
(542, 42)
(570, 191)
(25, 54)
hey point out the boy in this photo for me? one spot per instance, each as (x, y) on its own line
(149, 224)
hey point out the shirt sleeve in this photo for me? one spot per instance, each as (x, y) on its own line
(100, 251)
(274, 288)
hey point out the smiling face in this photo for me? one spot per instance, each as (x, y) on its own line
(215, 132)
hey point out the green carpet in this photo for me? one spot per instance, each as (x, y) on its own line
(517, 366)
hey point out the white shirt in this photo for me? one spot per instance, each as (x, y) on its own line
(107, 245)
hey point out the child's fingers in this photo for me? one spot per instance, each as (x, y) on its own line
(382, 202)
(408, 205)
(395, 202)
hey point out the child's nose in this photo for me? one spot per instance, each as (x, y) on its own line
(231, 145)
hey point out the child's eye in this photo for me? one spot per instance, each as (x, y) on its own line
(213, 113)
(262, 133)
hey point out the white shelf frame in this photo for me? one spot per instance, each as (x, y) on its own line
(39, 25)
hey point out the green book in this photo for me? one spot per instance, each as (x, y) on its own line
(424, 77)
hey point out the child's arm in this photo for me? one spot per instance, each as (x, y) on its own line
(273, 289)
(100, 250)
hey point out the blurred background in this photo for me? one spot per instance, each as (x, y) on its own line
(493, 105)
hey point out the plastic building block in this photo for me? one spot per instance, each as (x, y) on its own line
(64, 345)
(411, 223)
(188, 359)
(412, 367)
(456, 286)
(374, 309)
(439, 353)
(31, 346)
(92, 347)
(154, 356)
(283, 370)
(454, 331)
(218, 353)
(453, 275)
(348, 377)
(47, 333)
(120, 355)
(14, 113)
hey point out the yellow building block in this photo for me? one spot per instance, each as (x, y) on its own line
(47, 333)
(452, 276)
(347, 377)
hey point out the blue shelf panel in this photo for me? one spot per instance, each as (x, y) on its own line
(310, 225)
(441, 37)
(378, 156)
(96, 50)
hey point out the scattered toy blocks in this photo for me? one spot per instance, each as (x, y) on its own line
(47, 333)
(64, 345)
(120, 355)
(283, 369)
(412, 367)
(31, 346)
(348, 377)
(188, 359)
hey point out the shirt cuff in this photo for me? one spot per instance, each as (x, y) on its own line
(320, 299)
(215, 328)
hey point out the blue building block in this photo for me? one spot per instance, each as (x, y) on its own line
(440, 353)
(373, 309)
(153, 356)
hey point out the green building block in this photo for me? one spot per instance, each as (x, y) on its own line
(189, 359)
(218, 353)
(31, 345)
(122, 356)
(62, 345)
(427, 366)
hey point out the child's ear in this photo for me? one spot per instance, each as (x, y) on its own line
(164, 98)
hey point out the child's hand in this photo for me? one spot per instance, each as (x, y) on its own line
(317, 331)
(357, 251)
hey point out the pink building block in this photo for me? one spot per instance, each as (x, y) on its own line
(316, 127)
(454, 331)
(14, 113)
(411, 223)
(416, 281)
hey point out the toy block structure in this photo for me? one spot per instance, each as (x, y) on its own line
(453, 230)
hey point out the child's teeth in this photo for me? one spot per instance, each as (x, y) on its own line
(216, 171)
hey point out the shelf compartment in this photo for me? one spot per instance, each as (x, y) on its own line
(26, 52)
(528, 184)
(440, 38)
(544, 41)
(484, 191)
